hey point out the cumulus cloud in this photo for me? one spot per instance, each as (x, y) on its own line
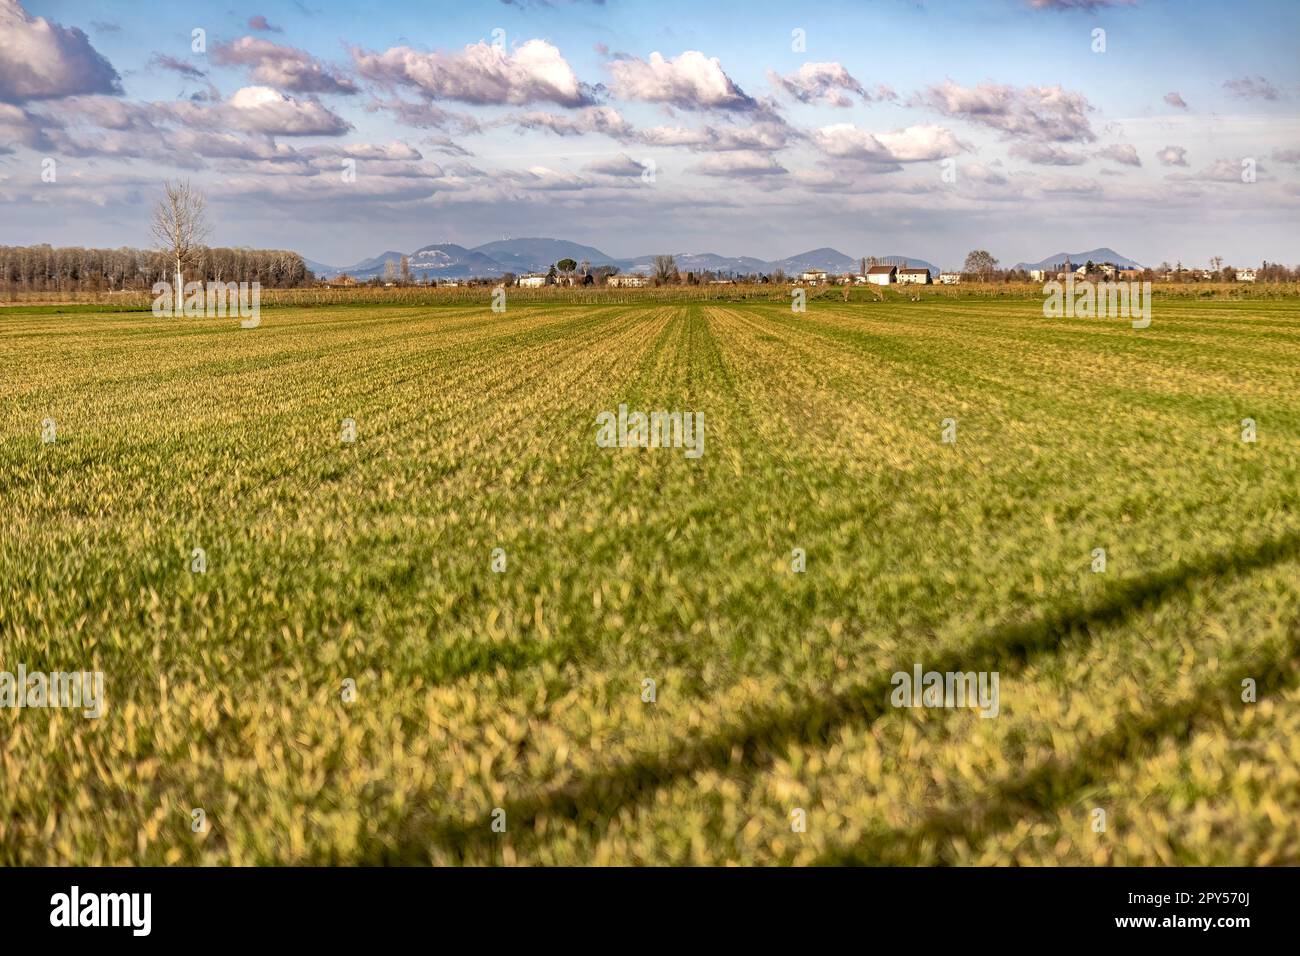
(621, 165)
(259, 109)
(765, 136)
(1044, 113)
(283, 67)
(1220, 171)
(913, 144)
(20, 127)
(1122, 153)
(1173, 99)
(828, 83)
(481, 73)
(41, 60)
(1045, 154)
(1252, 88)
(1172, 156)
(690, 81)
(739, 165)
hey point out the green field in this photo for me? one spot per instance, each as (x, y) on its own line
(522, 690)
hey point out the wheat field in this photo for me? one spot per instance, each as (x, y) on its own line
(359, 675)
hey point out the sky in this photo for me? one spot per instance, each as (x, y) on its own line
(1164, 129)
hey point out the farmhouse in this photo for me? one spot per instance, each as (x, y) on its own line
(814, 276)
(914, 276)
(1245, 275)
(949, 278)
(532, 281)
(882, 275)
(629, 281)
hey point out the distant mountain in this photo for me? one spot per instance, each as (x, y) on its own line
(832, 260)
(701, 262)
(320, 268)
(1104, 254)
(366, 267)
(447, 260)
(538, 255)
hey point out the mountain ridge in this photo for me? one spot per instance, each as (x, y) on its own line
(447, 260)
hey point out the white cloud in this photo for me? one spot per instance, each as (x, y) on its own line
(285, 67)
(1046, 154)
(42, 60)
(690, 81)
(913, 144)
(481, 73)
(1172, 156)
(821, 82)
(1122, 153)
(1044, 113)
(739, 165)
(258, 109)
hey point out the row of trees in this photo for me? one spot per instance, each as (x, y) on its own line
(179, 225)
(74, 269)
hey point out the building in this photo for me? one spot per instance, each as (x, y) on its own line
(949, 278)
(1245, 275)
(914, 276)
(1130, 275)
(531, 281)
(814, 276)
(882, 275)
(629, 281)
(1037, 275)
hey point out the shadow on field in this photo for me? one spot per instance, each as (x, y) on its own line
(754, 743)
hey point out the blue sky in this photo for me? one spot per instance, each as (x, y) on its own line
(896, 128)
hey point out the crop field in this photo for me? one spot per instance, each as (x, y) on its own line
(360, 676)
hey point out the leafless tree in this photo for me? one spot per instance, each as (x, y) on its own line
(180, 226)
(665, 268)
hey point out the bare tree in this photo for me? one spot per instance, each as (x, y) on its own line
(981, 263)
(665, 268)
(180, 226)
(406, 270)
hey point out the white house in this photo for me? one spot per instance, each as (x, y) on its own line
(882, 275)
(914, 276)
(628, 281)
(949, 278)
(1245, 275)
(532, 281)
(814, 276)
(1037, 275)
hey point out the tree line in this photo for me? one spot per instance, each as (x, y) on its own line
(46, 268)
